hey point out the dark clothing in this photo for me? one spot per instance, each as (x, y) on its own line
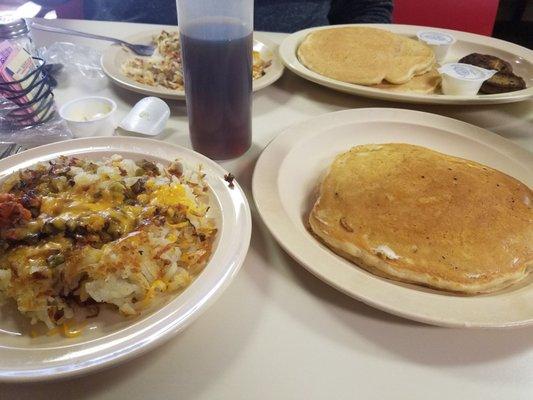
(269, 15)
(289, 15)
(146, 11)
(294, 15)
(360, 12)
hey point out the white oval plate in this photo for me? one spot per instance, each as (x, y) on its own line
(114, 56)
(284, 186)
(111, 338)
(520, 58)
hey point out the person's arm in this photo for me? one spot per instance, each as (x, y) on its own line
(360, 11)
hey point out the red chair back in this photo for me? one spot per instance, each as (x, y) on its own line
(476, 16)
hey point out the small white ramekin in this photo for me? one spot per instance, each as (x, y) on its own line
(90, 116)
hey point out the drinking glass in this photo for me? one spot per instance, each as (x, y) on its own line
(216, 46)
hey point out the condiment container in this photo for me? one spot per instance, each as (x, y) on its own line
(440, 42)
(90, 116)
(148, 116)
(15, 29)
(463, 79)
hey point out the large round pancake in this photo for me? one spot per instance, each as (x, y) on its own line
(410, 58)
(425, 83)
(419, 216)
(364, 55)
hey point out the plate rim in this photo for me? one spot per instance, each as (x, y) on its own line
(289, 46)
(110, 52)
(160, 330)
(268, 205)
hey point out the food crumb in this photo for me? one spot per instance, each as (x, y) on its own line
(229, 177)
(345, 225)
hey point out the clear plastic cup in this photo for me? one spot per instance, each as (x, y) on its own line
(216, 45)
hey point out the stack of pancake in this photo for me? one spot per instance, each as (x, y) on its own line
(371, 57)
(411, 214)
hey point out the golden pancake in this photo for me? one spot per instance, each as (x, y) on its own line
(410, 58)
(364, 55)
(425, 83)
(415, 215)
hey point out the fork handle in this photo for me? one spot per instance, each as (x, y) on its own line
(75, 33)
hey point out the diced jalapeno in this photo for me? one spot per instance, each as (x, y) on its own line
(55, 259)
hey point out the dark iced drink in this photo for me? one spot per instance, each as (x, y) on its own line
(217, 58)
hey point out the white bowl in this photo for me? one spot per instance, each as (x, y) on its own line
(284, 189)
(90, 116)
(110, 338)
(466, 43)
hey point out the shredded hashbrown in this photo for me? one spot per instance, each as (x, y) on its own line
(164, 68)
(77, 233)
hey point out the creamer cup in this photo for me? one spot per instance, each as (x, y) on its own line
(463, 79)
(439, 42)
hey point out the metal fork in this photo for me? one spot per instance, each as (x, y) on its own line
(139, 49)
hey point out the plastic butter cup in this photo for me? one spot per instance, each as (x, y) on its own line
(463, 79)
(440, 42)
(89, 116)
(148, 117)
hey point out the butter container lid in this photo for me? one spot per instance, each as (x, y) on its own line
(466, 72)
(435, 38)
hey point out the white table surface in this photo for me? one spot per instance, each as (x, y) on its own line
(279, 332)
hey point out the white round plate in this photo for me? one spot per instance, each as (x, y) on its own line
(285, 184)
(110, 338)
(520, 58)
(114, 57)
